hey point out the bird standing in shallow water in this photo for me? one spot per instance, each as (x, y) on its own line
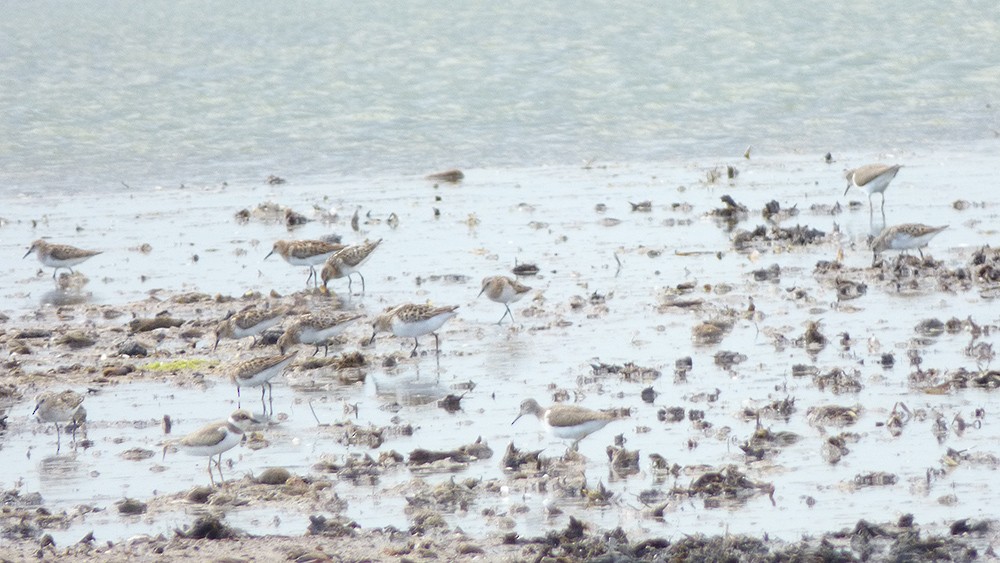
(567, 422)
(872, 179)
(305, 253)
(502, 289)
(411, 321)
(59, 255)
(215, 438)
(66, 406)
(348, 261)
(259, 372)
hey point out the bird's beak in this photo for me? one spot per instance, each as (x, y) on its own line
(516, 419)
(848, 188)
(26, 254)
(216, 347)
(372, 339)
(269, 254)
(481, 292)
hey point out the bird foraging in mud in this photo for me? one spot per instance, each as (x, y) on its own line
(502, 289)
(906, 236)
(566, 422)
(57, 256)
(412, 321)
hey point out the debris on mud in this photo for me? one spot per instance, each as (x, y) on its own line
(727, 484)
(627, 372)
(765, 237)
(452, 176)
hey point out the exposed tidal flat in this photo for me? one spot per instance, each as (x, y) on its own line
(771, 382)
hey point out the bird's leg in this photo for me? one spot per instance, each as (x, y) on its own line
(326, 348)
(506, 313)
(263, 405)
(316, 351)
(362, 283)
(58, 440)
(218, 465)
(437, 344)
(211, 477)
(270, 396)
(238, 396)
(413, 353)
(348, 284)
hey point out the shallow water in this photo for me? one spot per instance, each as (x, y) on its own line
(546, 216)
(169, 93)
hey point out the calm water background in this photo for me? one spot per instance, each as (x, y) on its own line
(164, 93)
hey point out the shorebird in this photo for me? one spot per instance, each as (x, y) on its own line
(215, 438)
(904, 237)
(566, 422)
(504, 290)
(871, 179)
(316, 329)
(305, 253)
(348, 261)
(59, 255)
(257, 372)
(250, 322)
(411, 321)
(66, 406)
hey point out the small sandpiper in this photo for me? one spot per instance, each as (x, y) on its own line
(502, 289)
(59, 255)
(215, 438)
(348, 261)
(871, 179)
(412, 321)
(904, 237)
(316, 329)
(250, 322)
(305, 253)
(66, 406)
(258, 372)
(566, 422)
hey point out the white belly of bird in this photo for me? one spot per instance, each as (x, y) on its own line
(309, 261)
(56, 414)
(317, 336)
(420, 328)
(255, 329)
(263, 376)
(903, 241)
(508, 295)
(878, 185)
(56, 263)
(228, 442)
(576, 431)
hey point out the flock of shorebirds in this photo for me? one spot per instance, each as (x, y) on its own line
(317, 328)
(408, 320)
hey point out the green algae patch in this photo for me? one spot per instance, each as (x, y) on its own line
(180, 365)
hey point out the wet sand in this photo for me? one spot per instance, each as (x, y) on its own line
(846, 392)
